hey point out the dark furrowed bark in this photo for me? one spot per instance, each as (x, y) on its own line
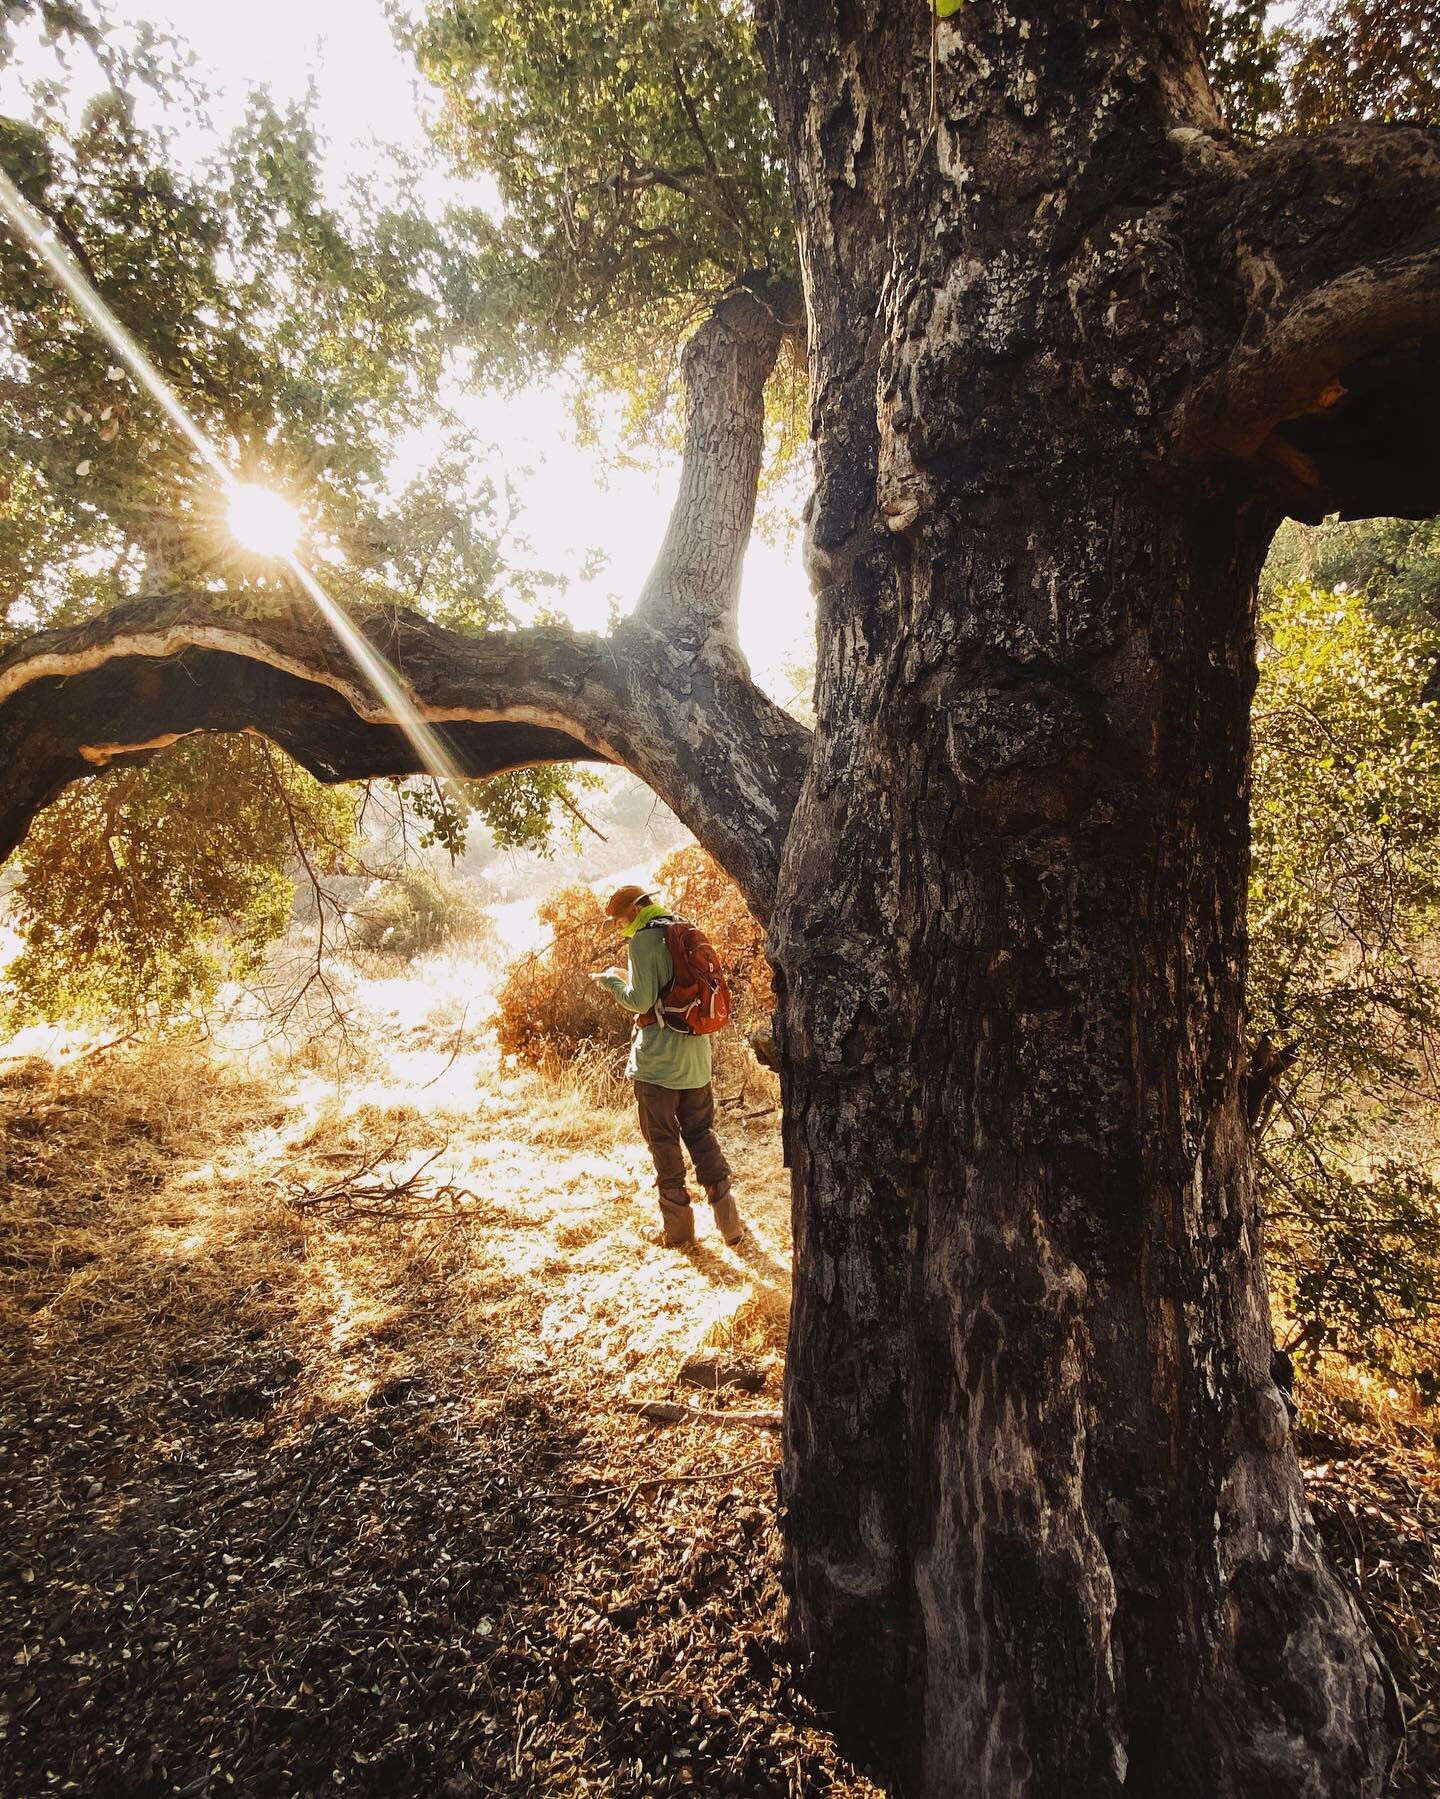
(1033, 1445)
(1046, 1529)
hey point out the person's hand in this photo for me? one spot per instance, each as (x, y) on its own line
(609, 974)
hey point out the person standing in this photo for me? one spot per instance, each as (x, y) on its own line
(671, 1072)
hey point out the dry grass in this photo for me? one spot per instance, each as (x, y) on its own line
(322, 1503)
(556, 1229)
(319, 1503)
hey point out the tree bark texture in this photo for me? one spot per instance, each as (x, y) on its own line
(1046, 1529)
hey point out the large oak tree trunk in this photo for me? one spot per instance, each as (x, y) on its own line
(1047, 1533)
(1034, 1453)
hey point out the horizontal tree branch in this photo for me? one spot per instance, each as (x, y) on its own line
(121, 686)
(667, 695)
(1293, 369)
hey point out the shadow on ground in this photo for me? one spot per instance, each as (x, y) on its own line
(305, 1500)
(308, 1506)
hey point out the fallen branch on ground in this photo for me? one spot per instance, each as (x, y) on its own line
(669, 1411)
(711, 1369)
(360, 1195)
(679, 1480)
(636, 1488)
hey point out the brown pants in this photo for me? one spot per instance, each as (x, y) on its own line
(670, 1116)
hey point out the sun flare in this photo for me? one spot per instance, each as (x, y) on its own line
(263, 521)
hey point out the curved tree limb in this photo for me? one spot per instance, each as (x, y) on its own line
(1324, 262)
(693, 590)
(668, 695)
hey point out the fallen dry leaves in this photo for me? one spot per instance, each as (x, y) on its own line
(310, 1500)
(346, 1498)
(1374, 1485)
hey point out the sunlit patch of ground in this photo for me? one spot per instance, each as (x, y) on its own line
(315, 1500)
(555, 1229)
(301, 1499)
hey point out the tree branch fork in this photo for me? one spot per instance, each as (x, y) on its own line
(1320, 264)
(667, 694)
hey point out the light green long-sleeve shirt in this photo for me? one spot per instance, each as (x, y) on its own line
(666, 1058)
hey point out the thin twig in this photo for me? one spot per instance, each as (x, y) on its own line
(671, 1411)
(677, 1480)
(636, 1488)
(576, 813)
(459, 1036)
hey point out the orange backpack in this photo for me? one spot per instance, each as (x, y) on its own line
(696, 999)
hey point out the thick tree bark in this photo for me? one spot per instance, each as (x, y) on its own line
(668, 694)
(693, 592)
(1046, 1528)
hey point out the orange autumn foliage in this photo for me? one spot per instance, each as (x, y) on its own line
(548, 1005)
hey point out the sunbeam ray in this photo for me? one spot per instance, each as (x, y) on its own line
(33, 230)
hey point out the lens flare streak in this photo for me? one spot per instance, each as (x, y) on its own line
(56, 260)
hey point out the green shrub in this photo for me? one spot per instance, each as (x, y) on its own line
(1343, 998)
(415, 912)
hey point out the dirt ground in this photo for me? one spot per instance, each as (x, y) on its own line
(318, 1483)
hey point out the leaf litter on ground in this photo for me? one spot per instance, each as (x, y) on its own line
(310, 1499)
(351, 1496)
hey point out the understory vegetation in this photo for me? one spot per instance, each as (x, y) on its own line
(1344, 988)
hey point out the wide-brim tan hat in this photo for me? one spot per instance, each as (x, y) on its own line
(622, 899)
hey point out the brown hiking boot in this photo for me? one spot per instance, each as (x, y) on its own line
(727, 1216)
(679, 1224)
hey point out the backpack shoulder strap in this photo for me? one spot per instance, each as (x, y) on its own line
(661, 924)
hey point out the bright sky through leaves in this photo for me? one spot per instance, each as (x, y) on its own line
(573, 501)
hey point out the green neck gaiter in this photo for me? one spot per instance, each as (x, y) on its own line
(643, 917)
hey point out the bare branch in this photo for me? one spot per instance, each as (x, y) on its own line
(716, 750)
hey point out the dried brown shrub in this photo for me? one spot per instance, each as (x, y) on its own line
(548, 1005)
